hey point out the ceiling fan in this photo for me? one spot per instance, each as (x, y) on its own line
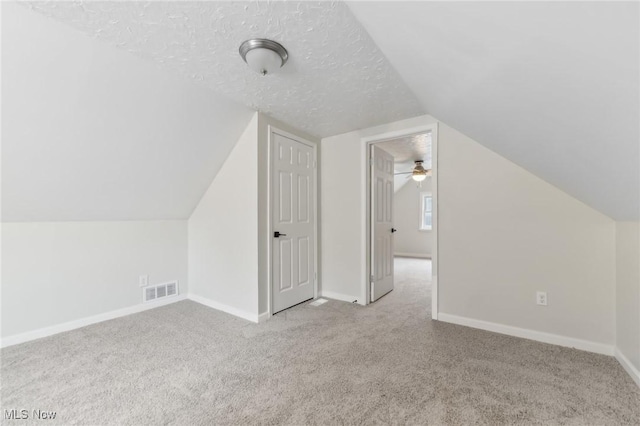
(418, 173)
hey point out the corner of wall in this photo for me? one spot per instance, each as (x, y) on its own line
(252, 126)
(222, 233)
(628, 297)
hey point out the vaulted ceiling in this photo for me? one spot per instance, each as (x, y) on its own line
(89, 132)
(126, 110)
(552, 86)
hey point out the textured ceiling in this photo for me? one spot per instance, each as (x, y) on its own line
(336, 80)
(406, 150)
(552, 86)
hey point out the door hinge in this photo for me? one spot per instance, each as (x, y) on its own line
(371, 161)
(371, 279)
(315, 276)
(315, 164)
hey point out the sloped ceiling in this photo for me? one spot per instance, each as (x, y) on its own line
(90, 132)
(552, 86)
(127, 110)
(336, 79)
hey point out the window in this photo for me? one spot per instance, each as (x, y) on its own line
(426, 212)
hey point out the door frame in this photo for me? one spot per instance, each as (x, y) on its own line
(270, 131)
(367, 142)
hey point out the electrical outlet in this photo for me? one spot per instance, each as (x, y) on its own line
(541, 298)
(143, 280)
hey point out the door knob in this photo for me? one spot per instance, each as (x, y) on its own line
(393, 230)
(278, 235)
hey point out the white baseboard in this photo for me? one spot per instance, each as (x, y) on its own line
(626, 364)
(570, 342)
(338, 296)
(83, 322)
(224, 308)
(417, 255)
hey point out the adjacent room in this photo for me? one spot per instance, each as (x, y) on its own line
(297, 212)
(401, 213)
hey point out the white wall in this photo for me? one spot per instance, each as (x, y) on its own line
(342, 221)
(409, 238)
(223, 230)
(55, 272)
(628, 292)
(540, 239)
(505, 234)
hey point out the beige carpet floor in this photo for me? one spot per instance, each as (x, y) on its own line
(186, 364)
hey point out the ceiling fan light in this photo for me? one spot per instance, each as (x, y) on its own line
(419, 173)
(419, 177)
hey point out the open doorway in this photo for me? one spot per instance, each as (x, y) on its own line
(402, 215)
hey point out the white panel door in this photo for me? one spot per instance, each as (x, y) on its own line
(381, 223)
(293, 222)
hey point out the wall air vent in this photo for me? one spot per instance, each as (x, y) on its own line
(159, 291)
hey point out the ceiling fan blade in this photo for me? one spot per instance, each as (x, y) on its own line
(403, 173)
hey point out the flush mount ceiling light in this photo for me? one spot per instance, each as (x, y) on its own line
(263, 56)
